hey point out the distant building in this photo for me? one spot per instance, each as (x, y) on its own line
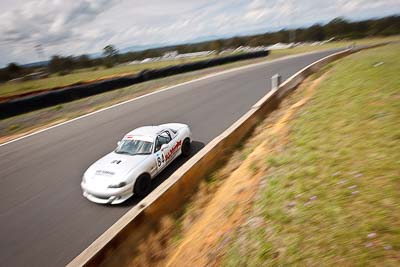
(36, 75)
(195, 54)
(147, 60)
(280, 46)
(17, 80)
(170, 55)
(31, 76)
(134, 62)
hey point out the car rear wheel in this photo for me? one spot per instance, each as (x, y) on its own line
(142, 185)
(186, 147)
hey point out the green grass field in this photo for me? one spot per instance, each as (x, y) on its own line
(55, 80)
(85, 75)
(341, 172)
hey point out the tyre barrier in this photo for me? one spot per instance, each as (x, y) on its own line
(49, 98)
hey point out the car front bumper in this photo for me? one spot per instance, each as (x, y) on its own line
(107, 196)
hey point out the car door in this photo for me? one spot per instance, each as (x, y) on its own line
(161, 154)
(174, 146)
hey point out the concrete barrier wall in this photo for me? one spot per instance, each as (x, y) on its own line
(119, 243)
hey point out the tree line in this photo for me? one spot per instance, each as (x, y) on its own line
(339, 28)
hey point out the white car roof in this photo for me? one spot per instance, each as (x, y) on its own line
(145, 133)
(149, 133)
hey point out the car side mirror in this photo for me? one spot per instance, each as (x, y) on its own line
(118, 143)
(164, 146)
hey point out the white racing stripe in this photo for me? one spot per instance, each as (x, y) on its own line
(159, 91)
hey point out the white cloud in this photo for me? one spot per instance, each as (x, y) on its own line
(85, 26)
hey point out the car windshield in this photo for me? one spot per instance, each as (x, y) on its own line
(134, 147)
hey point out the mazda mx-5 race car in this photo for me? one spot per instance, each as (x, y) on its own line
(140, 156)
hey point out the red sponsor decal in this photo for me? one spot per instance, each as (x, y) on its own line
(173, 150)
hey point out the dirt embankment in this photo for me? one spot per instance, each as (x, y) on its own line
(198, 237)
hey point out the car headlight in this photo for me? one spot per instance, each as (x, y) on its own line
(121, 184)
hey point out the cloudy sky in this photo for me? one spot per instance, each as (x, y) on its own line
(74, 27)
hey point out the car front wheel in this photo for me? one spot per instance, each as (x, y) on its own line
(142, 185)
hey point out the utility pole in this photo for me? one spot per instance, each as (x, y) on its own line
(292, 31)
(40, 53)
(292, 36)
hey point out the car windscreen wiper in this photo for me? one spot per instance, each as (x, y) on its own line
(123, 152)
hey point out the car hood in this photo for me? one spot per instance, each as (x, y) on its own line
(113, 167)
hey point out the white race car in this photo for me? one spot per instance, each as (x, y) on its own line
(140, 156)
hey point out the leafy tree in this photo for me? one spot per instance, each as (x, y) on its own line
(60, 64)
(337, 27)
(83, 61)
(55, 64)
(315, 33)
(110, 51)
(216, 45)
(110, 54)
(4, 75)
(13, 69)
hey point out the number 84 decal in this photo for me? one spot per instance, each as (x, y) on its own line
(160, 159)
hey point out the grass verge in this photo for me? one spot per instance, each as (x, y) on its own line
(331, 193)
(86, 75)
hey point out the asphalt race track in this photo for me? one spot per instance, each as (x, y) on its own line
(45, 221)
